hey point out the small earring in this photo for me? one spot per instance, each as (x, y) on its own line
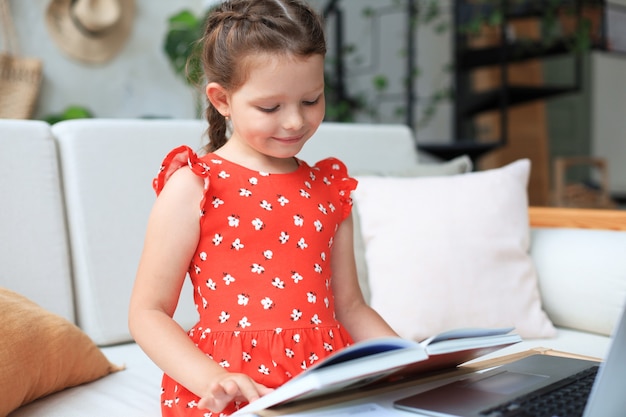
(227, 117)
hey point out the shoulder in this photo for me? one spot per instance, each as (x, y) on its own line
(179, 161)
(182, 193)
(184, 179)
(334, 173)
(331, 166)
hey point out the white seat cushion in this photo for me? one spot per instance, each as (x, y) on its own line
(138, 396)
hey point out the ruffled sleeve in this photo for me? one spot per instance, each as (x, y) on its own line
(177, 158)
(337, 172)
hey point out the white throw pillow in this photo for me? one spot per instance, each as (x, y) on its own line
(451, 252)
(459, 165)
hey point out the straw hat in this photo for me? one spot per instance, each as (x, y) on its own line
(90, 30)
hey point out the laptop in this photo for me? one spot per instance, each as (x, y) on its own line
(534, 381)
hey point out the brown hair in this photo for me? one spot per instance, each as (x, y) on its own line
(237, 29)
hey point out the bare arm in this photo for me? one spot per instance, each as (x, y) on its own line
(171, 238)
(361, 321)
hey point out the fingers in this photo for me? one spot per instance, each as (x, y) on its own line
(241, 389)
(263, 390)
(233, 387)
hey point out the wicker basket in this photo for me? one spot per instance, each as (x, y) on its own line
(20, 77)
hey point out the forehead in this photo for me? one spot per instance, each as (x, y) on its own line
(281, 68)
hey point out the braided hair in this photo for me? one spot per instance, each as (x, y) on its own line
(237, 29)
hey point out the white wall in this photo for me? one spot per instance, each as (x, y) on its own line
(136, 83)
(609, 115)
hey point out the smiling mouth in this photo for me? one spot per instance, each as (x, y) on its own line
(290, 140)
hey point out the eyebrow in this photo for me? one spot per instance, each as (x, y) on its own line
(319, 91)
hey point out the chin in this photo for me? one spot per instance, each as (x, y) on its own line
(289, 150)
(286, 155)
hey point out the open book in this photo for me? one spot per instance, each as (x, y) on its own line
(372, 360)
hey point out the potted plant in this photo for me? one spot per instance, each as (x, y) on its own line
(182, 49)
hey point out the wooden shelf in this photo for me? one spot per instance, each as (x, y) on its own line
(505, 44)
(473, 58)
(510, 96)
(447, 151)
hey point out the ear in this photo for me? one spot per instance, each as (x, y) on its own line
(219, 98)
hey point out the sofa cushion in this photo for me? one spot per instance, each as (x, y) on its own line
(359, 147)
(108, 167)
(34, 251)
(582, 276)
(450, 252)
(569, 341)
(41, 353)
(131, 393)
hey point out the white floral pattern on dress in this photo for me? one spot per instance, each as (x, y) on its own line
(260, 267)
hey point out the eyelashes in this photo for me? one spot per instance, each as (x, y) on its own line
(275, 108)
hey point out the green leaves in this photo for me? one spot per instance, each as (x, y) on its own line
(71, 112)
(182, 47)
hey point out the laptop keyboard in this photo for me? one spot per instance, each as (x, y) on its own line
(565, 398)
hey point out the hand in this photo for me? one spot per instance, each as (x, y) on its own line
(231, 387)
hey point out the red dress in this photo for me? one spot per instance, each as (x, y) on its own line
(261, 271)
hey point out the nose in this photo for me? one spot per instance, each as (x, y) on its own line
(294, 119)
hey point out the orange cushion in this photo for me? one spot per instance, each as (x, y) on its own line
(41, 353)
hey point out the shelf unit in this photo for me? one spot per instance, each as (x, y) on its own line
(504, 50)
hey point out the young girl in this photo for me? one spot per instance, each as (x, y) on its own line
(265, 238)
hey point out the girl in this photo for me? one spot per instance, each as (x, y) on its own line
(265, 238)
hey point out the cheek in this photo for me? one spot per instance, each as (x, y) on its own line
(317, 114)
(255, 124)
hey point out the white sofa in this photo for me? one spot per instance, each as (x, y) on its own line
(75, 200)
